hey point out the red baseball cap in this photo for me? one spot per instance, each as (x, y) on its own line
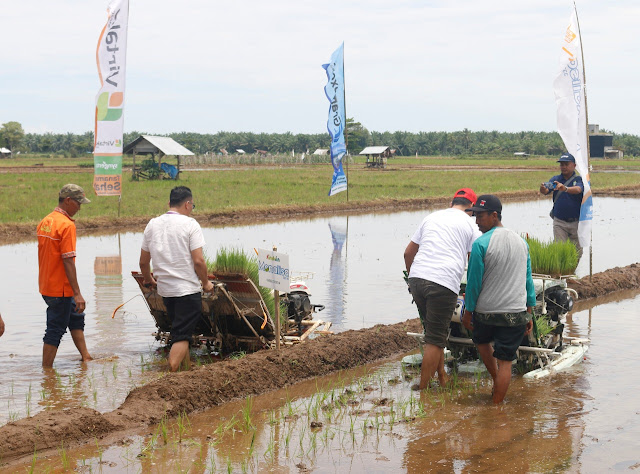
(466, 193)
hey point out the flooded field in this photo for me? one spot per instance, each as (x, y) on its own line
(586, 419)
(357, 265)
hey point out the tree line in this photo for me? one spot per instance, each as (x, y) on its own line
(463, 142)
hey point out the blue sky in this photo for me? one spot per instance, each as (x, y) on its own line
(205, 66)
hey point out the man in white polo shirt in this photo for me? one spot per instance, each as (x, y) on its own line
(174, 242)
(435, 259)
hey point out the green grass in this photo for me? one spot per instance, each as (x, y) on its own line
(28, 197)
(552, 258)
(234, 260)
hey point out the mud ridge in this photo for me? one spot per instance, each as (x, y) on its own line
(20, 231)
(607, 282)
(208, 386)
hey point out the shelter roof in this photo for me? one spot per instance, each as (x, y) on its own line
(4, 150)
(321, 151)
(374, 150)
(153, 144)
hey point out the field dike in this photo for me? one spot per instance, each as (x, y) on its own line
(207, 386)
(14, 232)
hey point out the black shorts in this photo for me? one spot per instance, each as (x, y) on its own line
(184, 312)
(506, 339)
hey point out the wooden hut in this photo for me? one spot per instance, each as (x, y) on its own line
(376, 156)
(156, 148)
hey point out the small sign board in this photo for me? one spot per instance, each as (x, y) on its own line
(273, 270)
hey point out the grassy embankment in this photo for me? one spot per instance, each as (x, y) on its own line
(27, 197)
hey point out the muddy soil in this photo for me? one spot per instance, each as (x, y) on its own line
(17, 232)
(208, 386)
(604, 283)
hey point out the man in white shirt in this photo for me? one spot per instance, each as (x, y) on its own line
(435, 259)
(174, 242)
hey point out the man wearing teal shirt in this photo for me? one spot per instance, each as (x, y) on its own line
(499, 293)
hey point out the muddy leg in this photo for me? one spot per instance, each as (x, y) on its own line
(78, 339)
(443, 379)
(430, 364)
(48, 355)
(501, 384)
(179, 350)
(490, 362)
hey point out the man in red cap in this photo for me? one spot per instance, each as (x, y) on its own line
(435, 259)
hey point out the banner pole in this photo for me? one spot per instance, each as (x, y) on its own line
(119, 201)
(276, 301)
(586, 115)
(346, 135)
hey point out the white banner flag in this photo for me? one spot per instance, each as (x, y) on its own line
(569, 89)
(111, 56)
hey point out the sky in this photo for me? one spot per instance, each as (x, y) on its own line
(207, 66)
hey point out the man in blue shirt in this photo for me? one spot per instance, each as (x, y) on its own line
(567, 190)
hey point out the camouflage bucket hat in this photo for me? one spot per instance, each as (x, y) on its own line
(74, 192)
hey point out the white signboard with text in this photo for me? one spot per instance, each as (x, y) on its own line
(273, 270)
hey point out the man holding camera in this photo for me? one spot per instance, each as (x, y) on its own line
(567, 188)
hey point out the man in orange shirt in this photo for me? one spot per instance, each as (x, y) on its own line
(58, 281)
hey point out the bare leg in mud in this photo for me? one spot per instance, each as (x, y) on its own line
(179, 351)
(48, 355)
(500, 371)
(501, 384)
(432, 362)
(490, 362)
(78, 339)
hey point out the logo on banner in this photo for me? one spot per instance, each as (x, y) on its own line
(569, 35)
(109, 107)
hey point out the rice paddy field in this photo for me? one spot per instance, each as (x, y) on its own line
(29, 196)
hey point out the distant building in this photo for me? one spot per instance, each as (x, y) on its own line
(321, 151)
(376, 156)
(601, 144)
(153, 147)
(5, 153)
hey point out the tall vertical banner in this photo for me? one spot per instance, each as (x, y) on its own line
(569, 89)
(334, 90)
(111, 56)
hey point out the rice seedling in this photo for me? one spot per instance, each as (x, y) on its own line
(269, 453)
(287, 438)
(235, 260)
(212, 459)
(164, 431)
(542, 325)
(247, 425)
(552, 258)
(183, 425)
(64, 457)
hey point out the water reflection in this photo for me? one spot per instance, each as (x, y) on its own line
(336, 283)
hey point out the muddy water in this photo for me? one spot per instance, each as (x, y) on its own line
(357, 264)
(586, 419)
